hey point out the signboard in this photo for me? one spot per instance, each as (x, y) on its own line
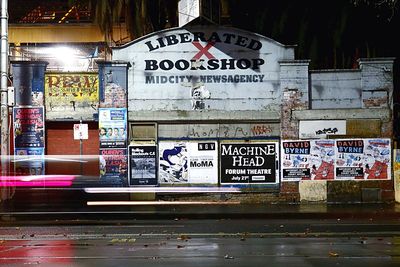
(28, 127)
(113, 167)
(142, 165)
(81, 131)
(321, 128)
(113, 127)
(193, 68)
(307, 160)
(188, 162)
(72, 96)
(249, 163)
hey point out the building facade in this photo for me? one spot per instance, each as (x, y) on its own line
(221, 107)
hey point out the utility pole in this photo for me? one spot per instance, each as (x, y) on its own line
(4, 88)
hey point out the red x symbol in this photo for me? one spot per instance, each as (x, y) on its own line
(203, 50)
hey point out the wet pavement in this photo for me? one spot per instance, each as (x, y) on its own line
(204, 235)
(223, 242)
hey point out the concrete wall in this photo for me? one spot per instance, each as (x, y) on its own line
(327, 85)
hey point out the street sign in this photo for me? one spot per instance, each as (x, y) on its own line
(81, 131)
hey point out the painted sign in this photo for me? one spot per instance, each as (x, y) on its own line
(28, 127)
(142, 165)
(113, 127)
(72, 96)
(249, 163)
(192, 68)
(307, 160)
(321, 128)
(113, 167)
(188, 162)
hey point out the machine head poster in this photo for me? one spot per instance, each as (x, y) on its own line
(113, 127)
(28, 127)
(249, 163)
(113, 167)
(142, 165)
(188, 162)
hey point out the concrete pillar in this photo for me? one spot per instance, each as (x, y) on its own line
(377, 87)
(295, 94)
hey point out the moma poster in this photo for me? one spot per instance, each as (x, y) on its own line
(188, 162)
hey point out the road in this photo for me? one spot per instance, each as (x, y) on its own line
(204, 242)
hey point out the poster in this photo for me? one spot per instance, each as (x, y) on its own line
(142, 165)
(71, 95)
(377, 161)
(322, 159)
(249, 163)
(203, 162)
(188, 162)
(28, 127)
(349, 159)
(308, 160)
(29, 161)
(113, 127)
(113, 167)
(296, 160)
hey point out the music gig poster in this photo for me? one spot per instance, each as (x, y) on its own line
(249, 163)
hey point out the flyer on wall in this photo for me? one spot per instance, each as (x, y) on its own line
(188, 162)
(113, 167)
(113, 127)
(296, 160)
(28, 127)
(349, 159)
(249, 163)
(142, 165)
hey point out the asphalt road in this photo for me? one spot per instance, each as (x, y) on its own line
(223, 242)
